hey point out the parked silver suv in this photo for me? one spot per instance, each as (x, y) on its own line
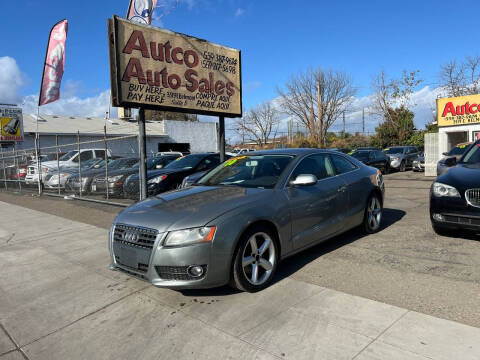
(402, 157)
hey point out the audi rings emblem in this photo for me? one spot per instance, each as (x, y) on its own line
(130, 236)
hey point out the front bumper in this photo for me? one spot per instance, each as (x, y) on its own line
(418, 166)
(167, 266)
(454, 213)
(114, 188)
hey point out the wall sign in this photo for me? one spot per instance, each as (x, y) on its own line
(462, 110)
(163, 70)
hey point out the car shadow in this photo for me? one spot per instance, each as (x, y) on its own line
(294, 263)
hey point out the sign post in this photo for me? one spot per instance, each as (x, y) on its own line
(142, 150)
(153, 68)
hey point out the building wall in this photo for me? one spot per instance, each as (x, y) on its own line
(123, 147)
(202, 136)
(446, 141)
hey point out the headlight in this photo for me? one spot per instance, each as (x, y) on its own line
(440, 190)
(190, 236)
(157, 180)
(114, 178)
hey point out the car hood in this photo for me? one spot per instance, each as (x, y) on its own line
(53, 163)
(190, 207)
(462, 176)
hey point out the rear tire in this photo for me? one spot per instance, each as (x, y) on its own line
(373, 214)
(255, 260)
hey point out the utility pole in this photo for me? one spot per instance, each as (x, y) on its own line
(363, 121)
(344, 124)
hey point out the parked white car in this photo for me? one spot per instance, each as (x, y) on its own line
(69, 160)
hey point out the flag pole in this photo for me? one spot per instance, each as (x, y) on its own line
(37, 150)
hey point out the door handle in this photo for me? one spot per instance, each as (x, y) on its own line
(342, 188)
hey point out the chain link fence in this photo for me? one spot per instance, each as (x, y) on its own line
(90, 168)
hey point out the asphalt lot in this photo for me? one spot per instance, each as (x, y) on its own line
(58, 292)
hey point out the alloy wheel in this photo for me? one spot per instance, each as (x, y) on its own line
(258, 258)
(374, 213)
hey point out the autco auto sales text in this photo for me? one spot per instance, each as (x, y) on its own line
(212, 93)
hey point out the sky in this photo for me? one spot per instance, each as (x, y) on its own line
(277, 39)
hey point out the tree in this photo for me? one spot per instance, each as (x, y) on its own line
(259, 124)
(316, 99)
(392, 102)
(458, 79)
(156, 115)
(397, 130)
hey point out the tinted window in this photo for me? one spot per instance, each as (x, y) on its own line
(342, 165)
(318, 165)
(86, 155)
(379, 155)
(361, 155)
(395, 150)
(473, 155)
(100, 153)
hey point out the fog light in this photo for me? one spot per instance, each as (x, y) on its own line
(195, 270)
(438, 217)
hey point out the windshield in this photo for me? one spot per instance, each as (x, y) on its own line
(254, 171)
(186, 162)
(472, 156)
(68, 155)
(458, 150)
(361, 155)
(394, 150)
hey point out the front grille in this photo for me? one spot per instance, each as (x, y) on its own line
(178, 273)
(473, 197)
(462, 220)
(135, 236)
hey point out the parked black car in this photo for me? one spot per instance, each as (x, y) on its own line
(172, 175)
(455, 195)
(116, 178)
(375, 158)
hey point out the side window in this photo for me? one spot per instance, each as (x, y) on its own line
(100, 154)
(379, 155)
(372, 155)
(86, 155)
(342, 165)
(318, 165)
(75, 158)
(214, 161)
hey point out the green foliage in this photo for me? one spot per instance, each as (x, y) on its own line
(397, 130)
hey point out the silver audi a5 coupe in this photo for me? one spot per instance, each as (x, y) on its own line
(235, 224)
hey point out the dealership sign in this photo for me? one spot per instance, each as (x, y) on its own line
(159, 69)
(462, 110)
(11, 120)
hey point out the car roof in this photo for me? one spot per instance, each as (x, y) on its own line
(464, 144)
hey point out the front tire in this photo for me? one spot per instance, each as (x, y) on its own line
(373, 214)
(255, 260)
(402, 166)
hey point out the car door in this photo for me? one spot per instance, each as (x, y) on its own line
(314, 209)
(353, 197)
(382, 161)
(411, 155)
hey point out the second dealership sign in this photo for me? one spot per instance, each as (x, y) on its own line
(159, 69)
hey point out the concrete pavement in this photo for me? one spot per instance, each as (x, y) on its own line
(58, 300)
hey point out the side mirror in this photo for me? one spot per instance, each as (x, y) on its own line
(445, 154)
(451, 161)
(304, 180)
(159, 166)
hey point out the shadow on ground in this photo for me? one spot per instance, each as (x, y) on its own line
(296, 262)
